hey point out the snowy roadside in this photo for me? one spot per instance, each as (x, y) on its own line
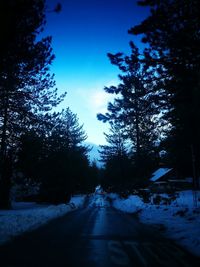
(28, 216)
(179, 220)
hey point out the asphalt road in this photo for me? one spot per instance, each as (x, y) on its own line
(94, 237)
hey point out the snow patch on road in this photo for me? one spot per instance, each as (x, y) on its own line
(28, 216)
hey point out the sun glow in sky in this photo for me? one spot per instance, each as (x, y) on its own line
(83, 33)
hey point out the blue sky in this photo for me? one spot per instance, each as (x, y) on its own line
(83, 33)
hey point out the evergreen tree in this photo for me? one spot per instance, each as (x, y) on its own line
(54, 155)
(115, 157)
(26, 85)
(136, 108)
(116, 143)
(68, 129)
(172, 35)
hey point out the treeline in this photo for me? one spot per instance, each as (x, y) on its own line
(54, 156)
(36, 145)
(155, 116)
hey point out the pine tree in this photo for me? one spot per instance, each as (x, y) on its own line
(116, 143)
(115, 157)
(172, 35)
(66, 164)
(68, 129)
(26, 85)
(137, 108)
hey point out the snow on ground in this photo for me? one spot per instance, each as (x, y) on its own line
(126, 205)
(179, 220)
(28, 216)
(77, 201)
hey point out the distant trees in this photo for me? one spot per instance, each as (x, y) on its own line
(116, 143)
(115, 158)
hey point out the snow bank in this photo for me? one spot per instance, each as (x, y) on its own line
(77, 200)
(179, 220)
(180, 224)
(131, 204)
(29, 216)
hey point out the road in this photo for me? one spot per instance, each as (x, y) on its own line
(94, 237)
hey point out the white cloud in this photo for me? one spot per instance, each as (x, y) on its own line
(98, 99)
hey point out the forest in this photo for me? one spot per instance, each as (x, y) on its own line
(40, 149)
(154, 118)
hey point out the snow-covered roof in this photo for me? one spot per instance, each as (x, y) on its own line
(159, 173)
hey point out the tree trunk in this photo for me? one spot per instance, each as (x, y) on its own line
(137, 126)
(5, 183)
(5, 165)
(3, 135)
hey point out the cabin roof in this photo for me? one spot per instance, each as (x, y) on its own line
(159, 173)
